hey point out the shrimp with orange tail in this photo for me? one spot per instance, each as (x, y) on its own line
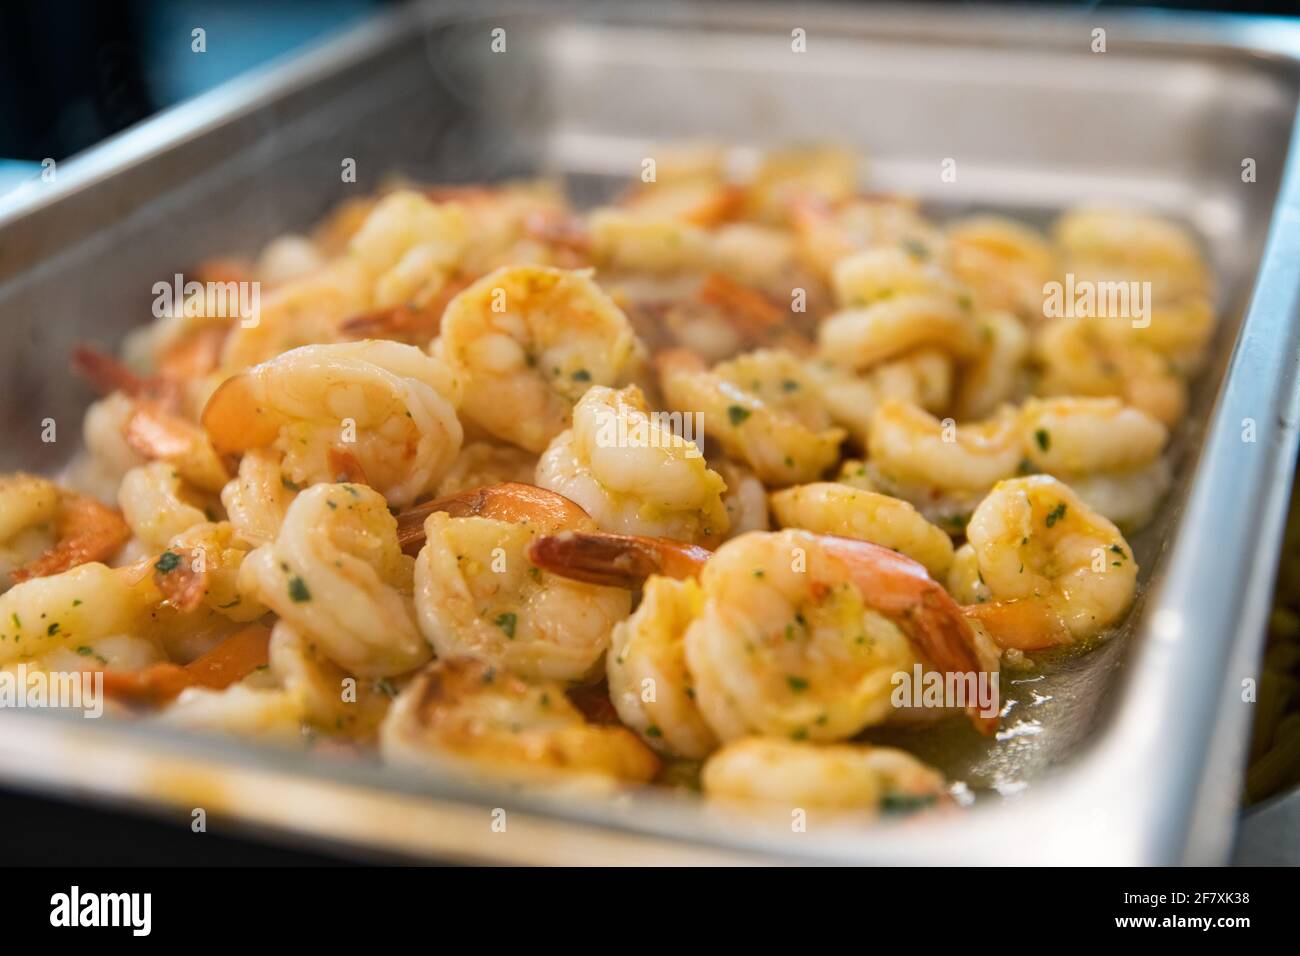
(45, 529)
(798, 634)
(1056, 572)
(478, 593)
(373, 412)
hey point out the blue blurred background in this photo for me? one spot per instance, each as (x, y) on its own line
(73, 72)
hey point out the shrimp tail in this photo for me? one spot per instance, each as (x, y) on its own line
(933, 622)
(511, 501)
(1022, 625)
(87, 530)
(616, 560)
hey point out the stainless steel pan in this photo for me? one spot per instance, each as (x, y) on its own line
(1129, 754)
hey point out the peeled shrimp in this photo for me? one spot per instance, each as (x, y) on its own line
(830, 508)
(1004, 262)
(460, 710)
(45, 529)
(745, 499)
(329, 702)
(1077, 358)
(1084, 435)
(786, 178)
(649, 683)
(1056, 571)
(258, 497)
(1000, 373)
(833, 776)
(800, 635)
(527, 342)
(631, 473)
(336, 573)
(762, 408)
(787, 612)
(158, 435)
(1102, 244)
(478, 593)
(69, 610)
(911, 447)
(409, 246)
(158, 505)
(375, 412)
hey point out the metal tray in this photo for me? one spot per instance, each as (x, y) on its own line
(1131, 754)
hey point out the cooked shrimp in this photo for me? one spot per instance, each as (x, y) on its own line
(374, 410)
(509, 501)
(800, 635)
(409, 246)
(963, 579)
(205, 570)
(631, 473)
(1057, 571)
(1177, 331)
(649, 683)
(765, 259)
(45, 529)
(306, 311)
(616, 560)
(157, 435)
(785, 610)
(762, 408)
(332, 699)
(336, 573)
(923, 377)
(1000, 374)
(527, 342)
(286, 258)
(258, 497)
(910, 446)
(230, 661)
(827, 507)
(465, 711)
(826, 235)
(240, 710)
(785, 178)
(1077, 359)
(1004, 262)
(158, 505)
(1085, 435)
(68, 610)
(888, 272)
(1128, 497)
(639, 241)
(1101, 244)
(478, 593)
(862, 337)
(107, 457)
(833, 776)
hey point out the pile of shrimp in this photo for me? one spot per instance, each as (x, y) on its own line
(685, 481)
